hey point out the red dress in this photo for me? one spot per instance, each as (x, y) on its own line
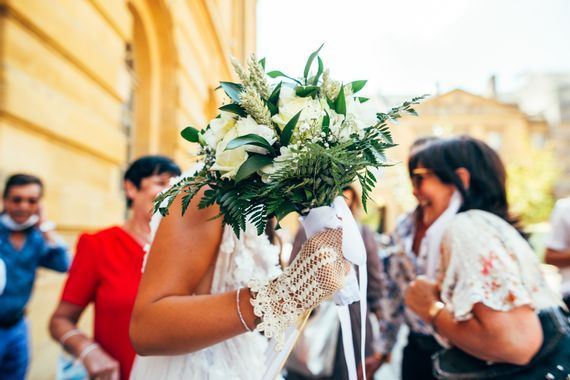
(106, 270)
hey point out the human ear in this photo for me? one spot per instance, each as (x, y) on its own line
(464, 176)
(130, 189)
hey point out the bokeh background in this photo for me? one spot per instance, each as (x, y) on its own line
(88, 85)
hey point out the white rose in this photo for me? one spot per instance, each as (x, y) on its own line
(218, 128)
(246, 126)
(290, 104)
(229, 161)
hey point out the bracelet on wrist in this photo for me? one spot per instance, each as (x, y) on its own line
(69, 334)
(87, 350)
(434, 310)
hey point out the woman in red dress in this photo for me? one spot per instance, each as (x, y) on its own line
(106, 270)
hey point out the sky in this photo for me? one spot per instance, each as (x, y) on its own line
(417, 46)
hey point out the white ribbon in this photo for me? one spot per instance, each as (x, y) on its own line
(337, 215)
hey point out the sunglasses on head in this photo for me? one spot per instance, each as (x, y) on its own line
(418, 176)
(17, 199)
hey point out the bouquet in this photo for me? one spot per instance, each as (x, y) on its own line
(284, 144)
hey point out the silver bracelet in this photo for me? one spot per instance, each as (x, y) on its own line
(239, 312)
(67, 335)
(87, 350)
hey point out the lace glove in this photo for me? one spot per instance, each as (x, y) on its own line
(316, 274)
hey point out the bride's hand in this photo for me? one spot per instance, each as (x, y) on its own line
(318, 271)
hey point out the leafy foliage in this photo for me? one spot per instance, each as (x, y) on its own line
(305, 171)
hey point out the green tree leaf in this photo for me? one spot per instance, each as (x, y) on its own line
(233, 108)
(357, 85)
(232, 90)
(326, 122)
(252, 165)
(276, 74)
(250, 139)
(340, 103)
(310, 62)
(262, 62)
(191, 134)
(363, 100)
(305, 91)
(274, 97)
(289, 128)
(319, 71)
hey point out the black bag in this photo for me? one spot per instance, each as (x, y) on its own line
(551, 362)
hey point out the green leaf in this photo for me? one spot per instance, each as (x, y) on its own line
(289, 128)
(191, 134)
(340, 103)
(276, 73)
(310, 61)
(357, 85)
(319, 71)
(233, 108)
(304, 91)
(326, 122)
(362, 100)
(412, 112)
(262, 62)
(250, 139)
(272, 107)
(232, 90)
(274, 97)
(252, 165)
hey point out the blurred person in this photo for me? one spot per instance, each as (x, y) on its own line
(319, 352)
(106, 270)
(26, 243)
(490, 300)
(403, 260)
(558, 244)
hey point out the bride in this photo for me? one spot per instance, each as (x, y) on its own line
(205, 295)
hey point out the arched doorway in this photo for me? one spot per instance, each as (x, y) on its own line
(152, 59)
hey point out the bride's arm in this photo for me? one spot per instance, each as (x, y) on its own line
(167, 319)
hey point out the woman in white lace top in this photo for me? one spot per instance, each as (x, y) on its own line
(489, 287)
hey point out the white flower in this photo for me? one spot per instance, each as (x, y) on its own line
(229, 161)
(218, 129)
(363, 114)
(246, 126)
(290, 104)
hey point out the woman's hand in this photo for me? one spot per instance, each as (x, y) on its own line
(100, 365)
(420, 295)
(373, 364)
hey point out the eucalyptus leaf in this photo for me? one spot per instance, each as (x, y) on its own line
(252, 165)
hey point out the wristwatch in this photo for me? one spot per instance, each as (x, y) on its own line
(435, 309)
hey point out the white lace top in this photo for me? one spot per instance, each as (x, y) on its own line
(486, 260)
(242, 357)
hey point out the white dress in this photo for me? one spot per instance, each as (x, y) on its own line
(242, 357)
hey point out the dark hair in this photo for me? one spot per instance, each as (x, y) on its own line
(20, 179)
(147, 166)
(487, 173)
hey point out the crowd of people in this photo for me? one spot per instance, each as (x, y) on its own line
(457, 270)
